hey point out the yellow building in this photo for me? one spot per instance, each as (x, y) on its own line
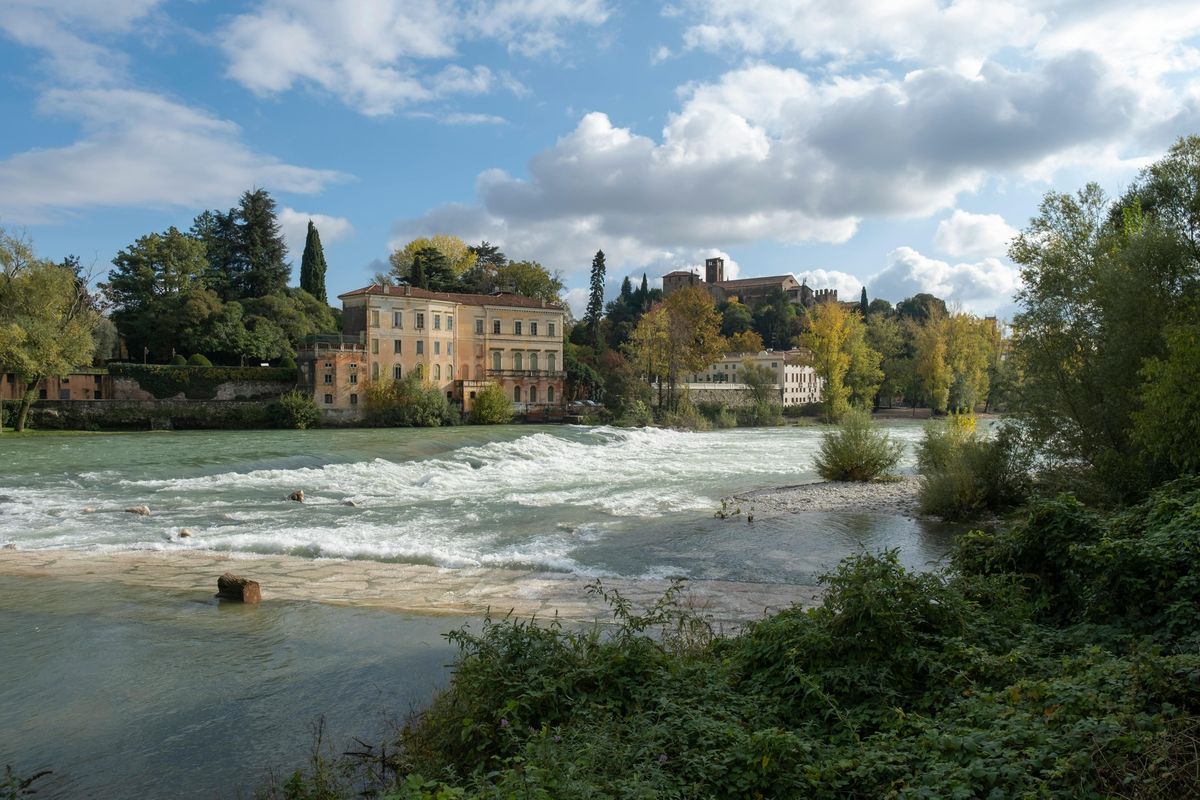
(459, 342)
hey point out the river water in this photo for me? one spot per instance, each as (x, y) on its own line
(126, 693)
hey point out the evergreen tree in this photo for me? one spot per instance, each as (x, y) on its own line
(312, 264)
(431, 270)
(263, 269)
(595, 306)
(626, 290)
(863, 306)
(644, 292)
(219, 233)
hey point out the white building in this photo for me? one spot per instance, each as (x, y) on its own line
(796, 382)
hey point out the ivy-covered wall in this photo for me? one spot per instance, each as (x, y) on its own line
(203, 383)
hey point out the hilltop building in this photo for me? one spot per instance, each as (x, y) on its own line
(796, 382)
(750, 291)
(460, 342)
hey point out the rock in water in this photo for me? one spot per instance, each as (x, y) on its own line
(141, 511)
(297, 495)
(234, 587)
(351, 503)
(185, 533)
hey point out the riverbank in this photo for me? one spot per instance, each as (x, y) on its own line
(878, 497)
(410, 588)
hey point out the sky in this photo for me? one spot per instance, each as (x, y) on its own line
(894, 145)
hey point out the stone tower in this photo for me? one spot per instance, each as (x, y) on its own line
(714, 270)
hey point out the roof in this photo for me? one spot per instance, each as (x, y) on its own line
(766, 279)
(680, 272)
(510, 299)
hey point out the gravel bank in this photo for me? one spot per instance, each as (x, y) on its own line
(899, 497)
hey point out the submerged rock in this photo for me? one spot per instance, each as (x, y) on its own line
(297, 495)
(185, 533)
(351, 503)
(89, 510)
(235, 587)
(141, 511)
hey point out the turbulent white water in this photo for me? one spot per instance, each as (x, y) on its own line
(588, 500)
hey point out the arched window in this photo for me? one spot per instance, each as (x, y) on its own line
(533, 394)
(551, 361)
(437, 372)
(518, 362)
(420, 371)
(516, 394)
(479, 372)
(449, 372)
(533, 359)
(549, 394)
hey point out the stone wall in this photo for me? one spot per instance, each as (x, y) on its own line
(130, 389)
(150, 414)
(708, 393)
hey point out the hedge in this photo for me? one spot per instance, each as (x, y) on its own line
(196, 383)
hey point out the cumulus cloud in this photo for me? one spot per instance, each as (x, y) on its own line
(966, 235)
(140, 149)
(375, 55)
(294, 225)
(848, 286)
(986, 286)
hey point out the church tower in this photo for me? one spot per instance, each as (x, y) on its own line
(714, 270)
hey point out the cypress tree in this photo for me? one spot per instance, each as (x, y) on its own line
(862, 303)
(312, 264)
(626, 290)
(263, 269)
(595, 306)
(644, 292)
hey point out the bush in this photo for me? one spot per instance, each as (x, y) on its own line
(857, 450)
(760, 414)
(964, 475)
(407, 403)
(287, 362)
(178, 361)
(295, 409)
(685, 418)
(717, 414)
(492, 406)
(635, 415)
(199, 360)
(802, 410)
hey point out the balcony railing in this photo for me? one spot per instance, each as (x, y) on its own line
(526, 373)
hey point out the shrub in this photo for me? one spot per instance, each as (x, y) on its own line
(802, 410)
(492, 406)
(964, 474)
(287, 362)
(410, 402)
(760, 414)
(685, 418)
(635, 415)
(178, 360)
(857, 450)
(717, 414)
(295, 409)
(199, 360)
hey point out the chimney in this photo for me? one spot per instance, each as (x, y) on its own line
(408, 291)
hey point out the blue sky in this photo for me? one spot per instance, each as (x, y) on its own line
(894, 145)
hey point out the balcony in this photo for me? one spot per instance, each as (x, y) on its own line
(526, 374)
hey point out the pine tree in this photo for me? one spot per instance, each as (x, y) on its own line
(221, 236)
(312, 264)
(595, 306)
(862, 303)
(643, 293)
(264, 270)
(626, 290)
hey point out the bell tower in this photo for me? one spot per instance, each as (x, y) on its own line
(714, 270)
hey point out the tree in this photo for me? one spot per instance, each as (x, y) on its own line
(827, 340)
(531, 279)
(745, 342)
(221, 237)
(262, 266)
(863, 377)
(312, 264)
(649, 349)
(879, 306)
(46, 322)
(491, 406)
(885, 335)
(968, 356)
(481, 278)
(762, 387)
(863, 307)
(776, 321)
(921, 307)
(431, 270)
(595, 304)
(457, 256)
(930, 367)
(736, 318)
(694, 340)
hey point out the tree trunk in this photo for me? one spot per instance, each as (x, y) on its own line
(27, 399)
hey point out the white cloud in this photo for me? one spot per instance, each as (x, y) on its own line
(848, 286)
(984, 287)
(371, 53)
(294, 225)
(966, 235)
(140, 149)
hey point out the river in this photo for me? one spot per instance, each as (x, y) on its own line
(131, 693)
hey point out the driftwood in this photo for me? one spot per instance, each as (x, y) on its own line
(234, 587)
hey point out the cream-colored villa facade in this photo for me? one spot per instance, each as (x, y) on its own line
(458, 342)
(796, 382)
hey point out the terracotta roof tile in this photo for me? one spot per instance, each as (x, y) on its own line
(508, 299)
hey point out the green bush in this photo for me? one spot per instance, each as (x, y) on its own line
(685, 418)
(491, 406)
(287, 362)
(407, 403)
(178, 360)
(857, 450)
(760, 414)
(802, 410)
(718, 415)
(636, 415)
(199, 360)
(964, 475)
(196, 383)
(295, 409)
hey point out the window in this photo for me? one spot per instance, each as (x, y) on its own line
(533, 394)
(397, 347)
(328, 378)
(551, 358)
(518, 361)
(517, 327)
(479, 327)
(450, 372)
(533, 361)
(449, 322)
(550, 326)
(549, 394)
(67, 378)
(374, 319)
(64, 394)
(420, 347)
(437, 372)
(328, 365)
(437, 322)
(533, 329)
(472, 395)
(516, 394)
(496, 326)
(449, 348)
(420, 321)
(397, 372)
(397, 319)
(328, 399)
(353, 378)
(41, 394)
(437, 348)
(375, 346)
(496, 360)
(375, 371)
(353, 399)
